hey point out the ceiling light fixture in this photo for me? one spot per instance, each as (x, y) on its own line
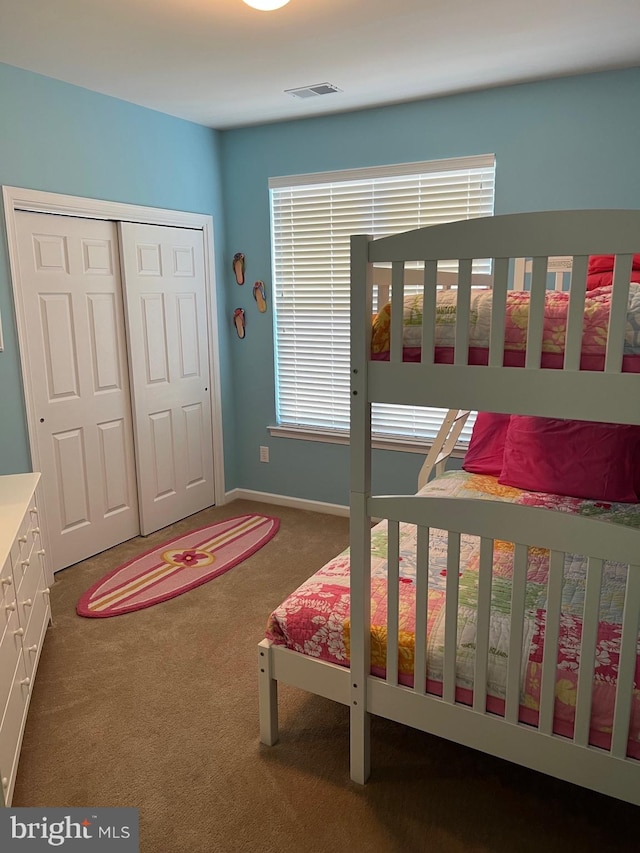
(266, 5)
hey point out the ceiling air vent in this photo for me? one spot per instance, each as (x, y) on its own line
(313, 91)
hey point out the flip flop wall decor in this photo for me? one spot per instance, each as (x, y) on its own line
(260, 296)
(238, 267)
(238, 322)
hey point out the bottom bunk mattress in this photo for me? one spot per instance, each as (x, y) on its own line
(314, 620)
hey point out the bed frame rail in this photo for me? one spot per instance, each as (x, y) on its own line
(532, 745)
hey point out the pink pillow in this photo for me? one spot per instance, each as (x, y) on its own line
(486, 447)
(596, 461)
(600, 271)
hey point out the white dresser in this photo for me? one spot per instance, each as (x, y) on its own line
(24, 615)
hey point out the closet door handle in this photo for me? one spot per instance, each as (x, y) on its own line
(33, 648)
(11, 606)
(25, 682)
(7, 581)
(19, 632)
(27, 602)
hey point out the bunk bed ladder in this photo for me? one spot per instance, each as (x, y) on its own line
(443, 445)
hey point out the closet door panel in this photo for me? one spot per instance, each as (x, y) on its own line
(77, 363)
(165, 307)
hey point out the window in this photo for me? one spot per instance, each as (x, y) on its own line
(312, 219)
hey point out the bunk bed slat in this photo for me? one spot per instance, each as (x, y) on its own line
(393, 600)
(618, 318)
(498, 311)
(516, 628)
(397, 310)
(422, 599)
(461, 349)
(429, 296)
(519, 270)
(535, 326)
(575, 317)
(451, 618)
(551, 642)
(485, 577)
(588, 643)
(627, 663)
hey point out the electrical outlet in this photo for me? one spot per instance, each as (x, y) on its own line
(264, 453)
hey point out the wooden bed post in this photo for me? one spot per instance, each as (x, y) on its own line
(360, 520)
(267, 695)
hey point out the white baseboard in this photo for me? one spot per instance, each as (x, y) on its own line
(285, 500)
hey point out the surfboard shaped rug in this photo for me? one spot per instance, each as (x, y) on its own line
(178, 565)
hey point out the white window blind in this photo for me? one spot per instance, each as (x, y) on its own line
(312, 219)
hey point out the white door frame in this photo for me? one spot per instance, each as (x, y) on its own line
(36, 201)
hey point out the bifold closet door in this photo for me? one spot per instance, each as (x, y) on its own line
(166, 319)
(76, 360)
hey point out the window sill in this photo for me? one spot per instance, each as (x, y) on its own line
(398, 443)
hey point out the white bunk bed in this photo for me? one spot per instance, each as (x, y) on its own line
(569, 392)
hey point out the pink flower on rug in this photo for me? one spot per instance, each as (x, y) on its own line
(190, 558)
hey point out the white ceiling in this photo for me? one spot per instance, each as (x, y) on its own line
(223, 64)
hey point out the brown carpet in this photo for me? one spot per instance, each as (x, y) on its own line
(158, 709)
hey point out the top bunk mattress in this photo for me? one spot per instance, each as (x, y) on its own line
(314, 620)
(597, 310)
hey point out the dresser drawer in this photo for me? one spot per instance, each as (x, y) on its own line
(33, 638)
(32, 585)
(19, 554)
(8, 607)
(7, 586)
(10, 651)
(11, 729)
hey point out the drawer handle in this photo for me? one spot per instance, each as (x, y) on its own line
(46, 591)
(35, 530)
(41, 552)
(5, 782)
(19, 632)
(27, 602)
(25, 564)
(22, 539)
(11, 606)
(33, 648)
(7, 581)
(34, 510)
(25, 682)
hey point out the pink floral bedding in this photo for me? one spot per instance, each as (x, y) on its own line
(314, 620)
(596, 323)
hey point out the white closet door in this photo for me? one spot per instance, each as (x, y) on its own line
(77, 364)
(166, 316)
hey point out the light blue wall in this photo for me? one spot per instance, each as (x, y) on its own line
(568, 143)
(573, 142)
(66, 139)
